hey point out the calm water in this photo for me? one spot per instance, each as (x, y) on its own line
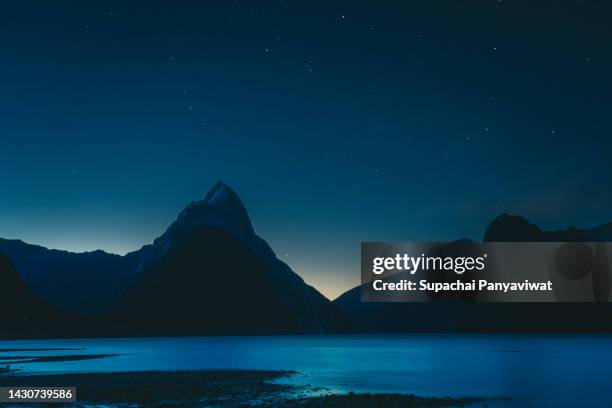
(572, 370)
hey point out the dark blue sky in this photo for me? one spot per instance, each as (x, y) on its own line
(336, 123)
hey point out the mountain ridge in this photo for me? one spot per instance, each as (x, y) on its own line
(486, 317)
(100, 283)
(212, 245)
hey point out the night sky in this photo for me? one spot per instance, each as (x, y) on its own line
(336, 122)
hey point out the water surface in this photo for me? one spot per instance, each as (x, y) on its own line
(534, 370)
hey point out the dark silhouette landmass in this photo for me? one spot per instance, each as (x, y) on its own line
(24, 314)
(213, 284)
(209, 273)
(222, 278)
(492, 317)
(602, 233)
(84, 283)
(513, 228)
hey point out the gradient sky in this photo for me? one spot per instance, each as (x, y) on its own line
(336, 123)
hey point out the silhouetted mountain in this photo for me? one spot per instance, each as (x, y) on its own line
(25, 315)
(602, 233)
(80, 282)
(209, 273)
(488, 317)
(513, 228)
(207, 282)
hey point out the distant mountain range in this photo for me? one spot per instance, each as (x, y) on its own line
(489, 317)
(512, 228)
(209, 273)
(83, 283)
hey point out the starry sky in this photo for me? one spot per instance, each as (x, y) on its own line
(336, 122)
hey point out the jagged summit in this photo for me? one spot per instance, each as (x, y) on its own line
(221, 193)
(213, 244)
(221, 207)
(208, 259)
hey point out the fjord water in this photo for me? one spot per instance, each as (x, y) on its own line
(532, 370)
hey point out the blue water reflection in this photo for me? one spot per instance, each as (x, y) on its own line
(546, 370)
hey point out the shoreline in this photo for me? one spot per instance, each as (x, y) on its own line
(219, 388)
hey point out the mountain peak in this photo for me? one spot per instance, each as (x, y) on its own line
(222, 201)
(513, 228)
(221, 207)
(222, 195)
(220, 192)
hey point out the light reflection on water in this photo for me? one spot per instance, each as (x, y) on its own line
(537, 370)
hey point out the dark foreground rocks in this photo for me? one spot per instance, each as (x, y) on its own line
(225, 388)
